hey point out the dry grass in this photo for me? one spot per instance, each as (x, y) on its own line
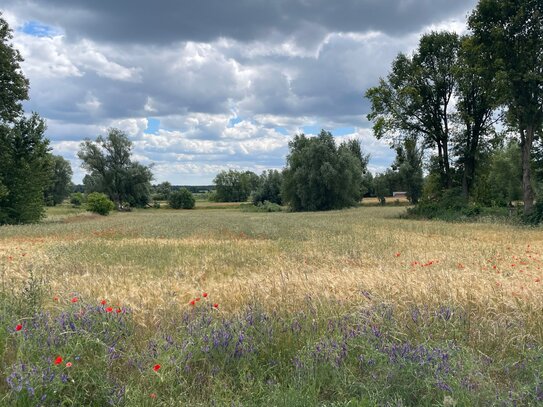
(153, 259)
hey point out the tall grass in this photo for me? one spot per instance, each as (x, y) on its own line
(353, 307)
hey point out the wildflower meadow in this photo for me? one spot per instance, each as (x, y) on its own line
(223, 307)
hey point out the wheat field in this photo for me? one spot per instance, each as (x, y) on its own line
(152, 259)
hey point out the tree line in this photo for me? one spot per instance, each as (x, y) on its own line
(472, 102)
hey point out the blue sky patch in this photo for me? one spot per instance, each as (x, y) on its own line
(343, 131)
(37, 29)
(233, 121)
(152, 126)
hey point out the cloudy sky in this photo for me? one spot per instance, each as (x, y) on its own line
(201, 86)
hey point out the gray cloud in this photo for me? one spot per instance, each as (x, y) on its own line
(141, 21)
(229, 82)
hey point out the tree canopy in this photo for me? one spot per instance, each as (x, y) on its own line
(320, 175)
(112, 171)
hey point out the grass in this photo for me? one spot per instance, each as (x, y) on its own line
(356, 307)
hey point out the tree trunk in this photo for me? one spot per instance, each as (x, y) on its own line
(526, 140)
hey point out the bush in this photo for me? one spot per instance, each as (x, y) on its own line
(265, 206)
(99, 203)
(77, 199)
(182, 199)
(536, 217)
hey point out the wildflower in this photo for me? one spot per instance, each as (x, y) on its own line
(58, 360)
(69, 364)
(156, 367)
(216, 306)
(118, 310)
(55, 299)
(204, 295)
(10, 258)
(197, 299)
(103, 302)
(18, 327)
(537, 280)
(109, 309)
(398, 254)
(75, 299)
(152, 395)
(192, 302)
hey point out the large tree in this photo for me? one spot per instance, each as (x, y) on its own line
(320, 175)
(24, 151)
(112, 171)
(510, 36)
(235, 186)
(478, 95)
(415, 99)
(61, 181)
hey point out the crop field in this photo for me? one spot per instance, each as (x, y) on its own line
(352, 307)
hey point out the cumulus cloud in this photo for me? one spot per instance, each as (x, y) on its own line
(216, 84)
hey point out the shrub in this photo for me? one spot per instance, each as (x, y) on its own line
(536, 217)
(77, 199)
(182, 199)
(265, 206)
(99, 203)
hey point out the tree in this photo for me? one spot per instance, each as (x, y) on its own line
(321, 176)
(408, 164)
(25, 170)
(112, 171)
(182, 199)
(235, 186)
(269, 188)
(24, 151)
(416, 97)
(61, 181)
(510, 36)
(13, 84)
(477, 99)
(163, 191)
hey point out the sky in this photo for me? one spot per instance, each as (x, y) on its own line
(204, 86)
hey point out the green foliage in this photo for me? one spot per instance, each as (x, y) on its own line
(265, 206)
(163, 191)
(24, 152)
(415, 98)
(321, 176)
(269, 188)
(25, 168)
(61, 181)
(509, 34)
(111, 170)
(499, 182)
(408, 164)
(13, 84)
(99, 203)
(234, 186)
(77, 199)
(182, 199)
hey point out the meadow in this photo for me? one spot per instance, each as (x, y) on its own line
(355, 307)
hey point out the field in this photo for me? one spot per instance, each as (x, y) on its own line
(387, 298)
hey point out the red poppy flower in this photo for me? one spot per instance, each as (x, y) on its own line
(156, 367)
(18, 327)
(216, 305)
(55, 298)
(397, 254)
(204, 295)
(118, 310)
(69, 364)
(75, 299)
(197, 299)
(58, 360)
(109, 309)
(192, 302)
(103, 302)
(537, 280)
